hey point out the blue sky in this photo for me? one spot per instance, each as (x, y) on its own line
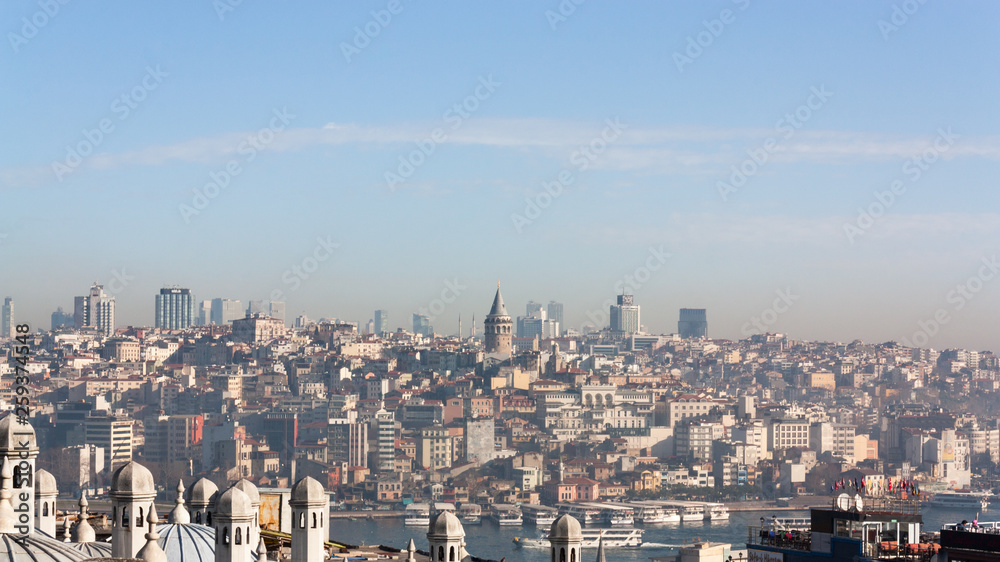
(834, 105)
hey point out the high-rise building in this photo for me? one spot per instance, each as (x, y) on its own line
(277, 310)
(422, 325)
(534, 308)
(381, 322)
(96, 310)
(225, 311)
(693, 323)
(555, 313)
(7, 318)
(499, 329)
(625, 315)
(60, 319)
(174, 309)
(257, 307)
(204, 313)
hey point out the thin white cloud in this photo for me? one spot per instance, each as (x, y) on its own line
(680, 149)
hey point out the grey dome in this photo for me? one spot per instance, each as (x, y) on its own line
(308, 490)
(445, 524)
(37, 547)
(201, 492)
(189, 543)
(133, 479)
(566, 527)
(92, 549)
(14, 435)
(45, 483)
(249, 489)
(498, 308)
(234, 503)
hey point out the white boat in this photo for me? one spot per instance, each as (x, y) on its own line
(646, 514)
(960, 500)
(541, 516)
(692, 513)
(717, 512)
(618, 516)
(470, 514)
(586, 515)
(417, 514)
(613, 538)
(505, 514)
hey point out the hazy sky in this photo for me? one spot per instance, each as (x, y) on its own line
(362, 155)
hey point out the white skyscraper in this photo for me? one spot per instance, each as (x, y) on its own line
(625, 315)
(96, 310)
(174, 309)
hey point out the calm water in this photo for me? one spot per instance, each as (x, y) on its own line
(491, 541)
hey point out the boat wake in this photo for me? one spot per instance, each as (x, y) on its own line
(661, 545)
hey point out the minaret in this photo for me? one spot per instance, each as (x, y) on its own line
(179, 514)
(446, 537)
(82, 531)
(232, 519)
(499, 327)
(201, 499)
(310, 510)
(132, 492)
(600, 548)
(151, 551)
(566, 538)
(46, 492)
(251, 491)
(18, 443)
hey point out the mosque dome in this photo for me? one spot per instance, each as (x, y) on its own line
(15, 435)
(566, 527)
(39, 548)
(445, 524)
(201, 492)
(133, 479)
(307, 490)
(45, 483)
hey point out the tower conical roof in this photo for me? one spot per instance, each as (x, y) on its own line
(498, 308)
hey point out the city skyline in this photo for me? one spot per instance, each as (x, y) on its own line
(822, 171)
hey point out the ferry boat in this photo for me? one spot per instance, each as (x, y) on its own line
(505, 514)
(417, 514)
(618, 516)
(653, 514)
(470, 514)
(586, 515)
(692, 513)
(613, 538)
(541, 516)
(960, 500)
(716, 512)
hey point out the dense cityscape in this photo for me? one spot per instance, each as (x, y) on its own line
(516, 412)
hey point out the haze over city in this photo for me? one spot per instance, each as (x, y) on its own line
(354, 161)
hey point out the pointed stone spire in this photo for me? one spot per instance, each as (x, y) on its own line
(66, 533)
(600, 548)
(179, 514)
(411, 552)
(261, 550)
(83, 532)
(7, 515)
(498, 308)
(152, 552)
